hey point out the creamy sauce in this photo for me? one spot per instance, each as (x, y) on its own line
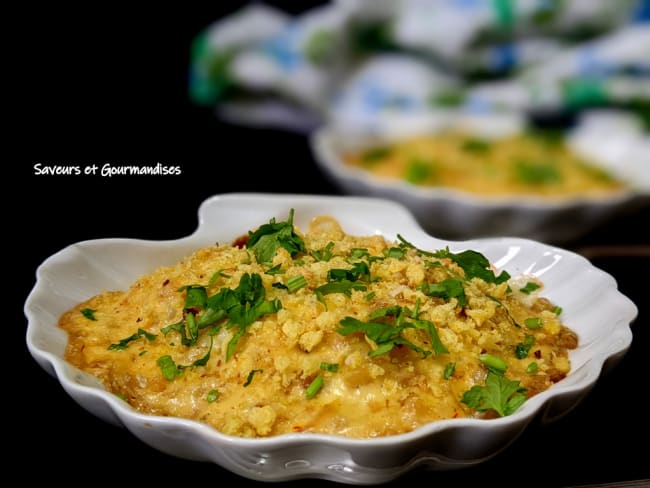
(261, 390)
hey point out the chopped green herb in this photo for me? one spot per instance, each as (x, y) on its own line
(448, 289)
(331, 367)
(533, 323)
(369, 296)
(499, 394)
(529, 288)
(89, 313)
(477, 146)
(277, 269)
(344, 287)
(279, 285)
(523, 348)
(386, 336)
(215, 277)
(314, 387)
(359, 271)
(532, 368)
(251, 374)
(358, 253)
(124, 343)
(449, 370)
(418, 171)
(536, 173)
(474, 264)
(557, 310)
(493, 363)
(394, 252)
(375, 155)
(142, 353)
(295, 283)
(268, 238)
(169, 368)
(202, 361)
(324, 254)
(213, 396)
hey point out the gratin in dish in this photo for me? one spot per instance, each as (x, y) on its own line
(323, 332)
(527, 163)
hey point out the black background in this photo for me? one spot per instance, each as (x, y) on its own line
(109, 85)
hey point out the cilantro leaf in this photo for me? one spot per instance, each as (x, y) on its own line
(529, 287)
(89, 313)
(387, 335)
(250, 376)
(449, 288)
(474, 264)
(450, 368)
(331, 367)
(523, 348)
(498, 394)
(268, 238)
(124, 343)
(168, 367)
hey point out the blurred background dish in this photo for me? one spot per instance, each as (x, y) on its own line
(489, 175)
(361, 73)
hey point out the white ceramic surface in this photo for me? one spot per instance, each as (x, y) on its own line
(455, 214)
(592, 305)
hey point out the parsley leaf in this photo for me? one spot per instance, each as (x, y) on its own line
(499, 394)
(124, 343)
(523, 348)
(474, 264)
(387, 335)
(89, 313)
(251, 374)
(331, 367)
(169, 368)
(268, 238)
(529, 287)
(375, 155)
(449, 288)
(449, 370)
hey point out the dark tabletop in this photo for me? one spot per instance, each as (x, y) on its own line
(113, 89)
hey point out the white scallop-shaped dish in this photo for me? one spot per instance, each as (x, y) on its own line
(592, 305)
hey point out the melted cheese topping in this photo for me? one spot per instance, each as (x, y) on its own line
(367, 397)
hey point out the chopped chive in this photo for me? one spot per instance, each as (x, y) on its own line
(295, 283)
(314, 387)
(494, 363)
(532, 368)
(212, 397)
(533, 323)
(529, 288)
